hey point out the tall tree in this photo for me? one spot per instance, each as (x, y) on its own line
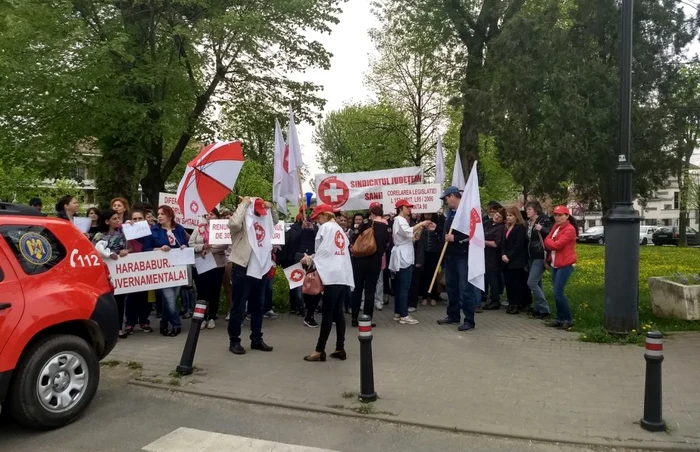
(145, 77)
(363, 138)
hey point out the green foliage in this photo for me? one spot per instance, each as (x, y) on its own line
(251, 182)
(280, 292)
(363, 138)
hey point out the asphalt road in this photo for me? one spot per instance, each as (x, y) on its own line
(126, 418)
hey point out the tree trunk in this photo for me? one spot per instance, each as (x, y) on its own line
(683, 184)
(468, 132)
(116, 171)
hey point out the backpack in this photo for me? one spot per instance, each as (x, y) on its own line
(364, 245)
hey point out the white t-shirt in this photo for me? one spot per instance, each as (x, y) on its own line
(332, 258)
(402, 255)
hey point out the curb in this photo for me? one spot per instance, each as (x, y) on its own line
(656, 446)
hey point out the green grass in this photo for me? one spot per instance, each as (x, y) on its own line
(585, 290)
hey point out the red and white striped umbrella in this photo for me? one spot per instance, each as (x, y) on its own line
(209, 178)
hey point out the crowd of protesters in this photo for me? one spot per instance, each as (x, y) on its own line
(392, 254)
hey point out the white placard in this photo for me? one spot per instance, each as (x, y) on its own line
(219, 233)
(82, 223)
(178, 256)
(204, 264)
(356, 191)
(170, 200)
(139, 272)
(278, 234)
(295, 276)
(136, 230)
(425, 198)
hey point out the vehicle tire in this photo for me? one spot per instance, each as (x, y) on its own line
(65, 369)
(644, 241)
(601, 241)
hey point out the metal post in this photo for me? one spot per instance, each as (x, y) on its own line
(367, 393)
(654, 355)
(622, 221)
(185, 366)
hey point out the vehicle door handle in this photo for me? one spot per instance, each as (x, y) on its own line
(4, 306)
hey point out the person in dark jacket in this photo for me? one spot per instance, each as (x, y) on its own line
(460, 292)
(538, 227)
(493, 236)
(137, 307)
(300, 240)
(368, 269)
(432, 245)
(514, 257)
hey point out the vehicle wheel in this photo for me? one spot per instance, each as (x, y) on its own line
(54, 382)
(601, 241)
(644, 241)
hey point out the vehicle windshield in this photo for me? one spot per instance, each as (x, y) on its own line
(594, 230)
(663, 230)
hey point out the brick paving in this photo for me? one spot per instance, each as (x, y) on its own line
(511, 376)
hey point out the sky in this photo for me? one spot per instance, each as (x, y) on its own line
(351, 47)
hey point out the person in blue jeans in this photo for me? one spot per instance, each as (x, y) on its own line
(538, 227)
(561, 241)
(461, 294)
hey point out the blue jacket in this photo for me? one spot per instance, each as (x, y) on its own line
(160, 236)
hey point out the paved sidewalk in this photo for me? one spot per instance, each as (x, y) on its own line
(511, 376)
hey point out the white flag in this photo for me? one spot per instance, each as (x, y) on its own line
(458, 172)
(295, 276)
(280, 176)
(468, 221)
(440, 164)
(290, 189)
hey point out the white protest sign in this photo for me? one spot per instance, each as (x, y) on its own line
(139, 272)
(425, 198)
(136, 230)
(295, 276)
(219, 233)
(356, 191)
(82, 223)
(178, 256)
(204, 264)
(170, 200)
(278, 234)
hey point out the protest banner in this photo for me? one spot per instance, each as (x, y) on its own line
(425, 198)
(219, 233)
(140, 272)
(356, 191)
(278, 234)
(170, 200)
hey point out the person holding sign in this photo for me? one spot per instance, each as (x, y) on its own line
(111, 244)
(137, 306)
(168, 234)
(332, 262)
(209, 283)
(251, 228)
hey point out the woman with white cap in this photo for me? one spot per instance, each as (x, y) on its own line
(403, 258)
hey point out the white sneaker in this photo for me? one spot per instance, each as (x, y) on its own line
(228, 317)
(397, 317)
(211, 325)
(408, 320)
(411, 309)
(203, 326)
(378, 306)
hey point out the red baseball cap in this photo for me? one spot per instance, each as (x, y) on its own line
(374, 204)
(403, 203)
(321, 208)
(259, 207)
(561, 210)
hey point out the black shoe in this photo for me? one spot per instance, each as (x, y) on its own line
(465, 327)
(320, 357)
(513, 310)
(540, 315)
(355, 323)
(554, 323)
(339, 354)
(123, 334)
(479, 309)
(565, 325)
(175, 332)
(165, 331)
(311, 323)
(237, 349)
(262, 346)
(492, 307)
(447, 321)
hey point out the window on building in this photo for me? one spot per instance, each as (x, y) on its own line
(666, 222)
(653, 222)
(676, 200)
(591, 223)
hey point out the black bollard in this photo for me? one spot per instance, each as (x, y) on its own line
(367, 393)
(654, 355)
(185, 367)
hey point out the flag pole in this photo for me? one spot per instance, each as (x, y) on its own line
(437, 269)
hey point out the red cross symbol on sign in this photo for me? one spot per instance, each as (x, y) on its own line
(333, 192)
(297, 275)
(259, 233)
(340, 240)
(194, 207)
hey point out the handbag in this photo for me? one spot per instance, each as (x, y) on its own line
(546, 254)
(365, 245)
(312, 283)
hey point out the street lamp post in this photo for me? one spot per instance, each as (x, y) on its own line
(622, 221)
